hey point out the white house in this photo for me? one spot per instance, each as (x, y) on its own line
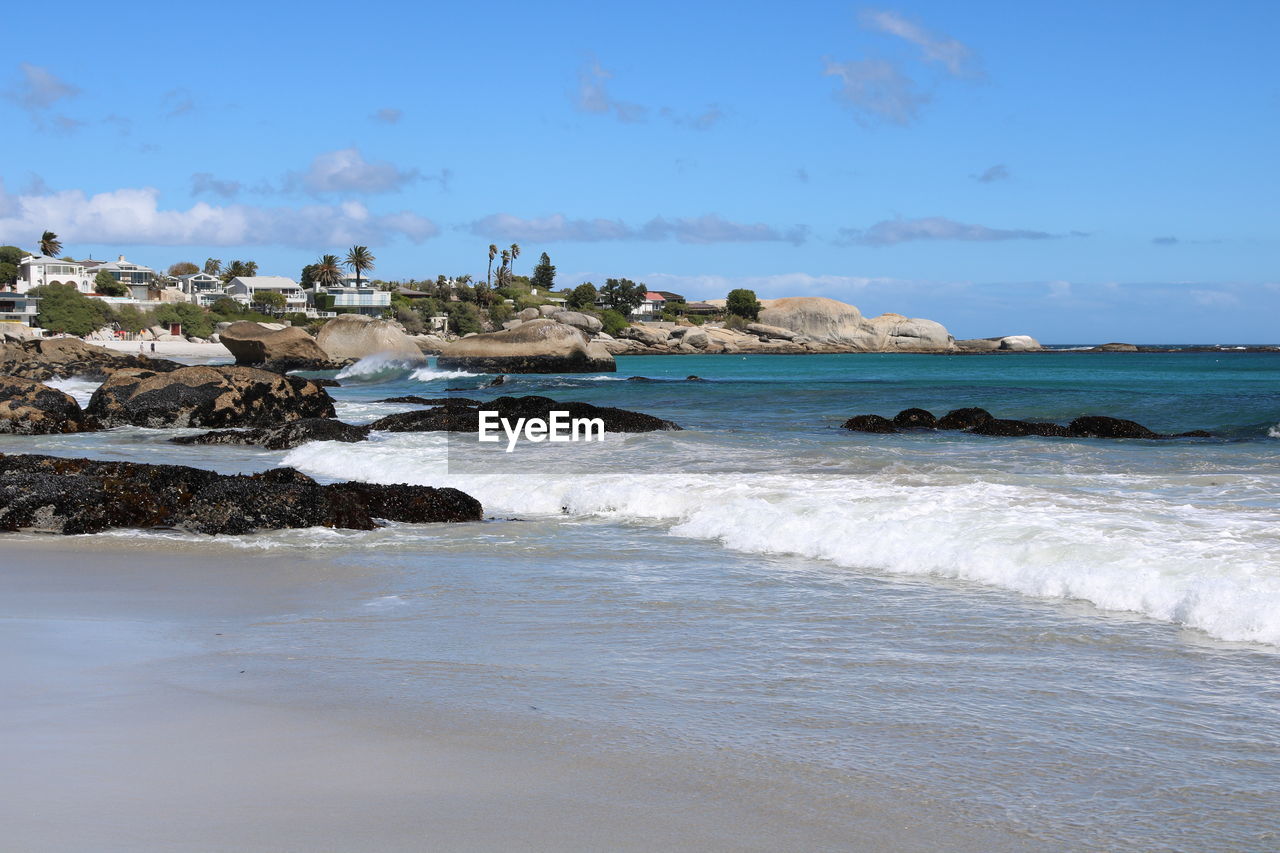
(201, 288)
(38, 270)
(352, 300)
(141, 281)
(242, 288)
(18, 308)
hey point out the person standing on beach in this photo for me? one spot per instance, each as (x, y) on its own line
(142, 348)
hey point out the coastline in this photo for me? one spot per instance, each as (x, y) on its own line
(134, 698)
(167, 349)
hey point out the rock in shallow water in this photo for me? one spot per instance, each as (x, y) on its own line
(64, 358)
(982, 422)
(207, 397)
(283, 437)
(455, 417)
(29, 408)
(73, 496)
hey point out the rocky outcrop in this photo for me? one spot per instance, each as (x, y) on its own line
(274, 346)
(981, 422)
(63, 358)
(29, 408)
(583, 322)
(207, 397)
(1008, 343)
(282, 437)
(1115, 347)
(456, 417)
(16, 332)
(535, 346)
(74, 496)
(837, 324)
(355, 336)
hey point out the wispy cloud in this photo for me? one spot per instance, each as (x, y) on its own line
(890, 232)
(877, 89)
(39, 88)
(934, 47)
(991, 174)
(345, 172)
(387, 115)
(205, 182)
(177, 102)
(133, 216)
(710, 228)
(593, 96)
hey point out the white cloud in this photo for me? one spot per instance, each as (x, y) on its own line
(40, 88)
(387, 115)
(934, 47)
(205, 182)
(893, 231)
(772, 286)
(710, 228)
(346, 171)
(876, 88)
(133, 217)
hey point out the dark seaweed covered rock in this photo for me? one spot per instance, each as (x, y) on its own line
(64, 358)
(1011, 428)
(915, 419)
(30, 408)
(1099, 426)
(71, 496)
(964, 418)
(870, 423)
(432, 401)
(464, 418)
(282, 437)
(207, 396)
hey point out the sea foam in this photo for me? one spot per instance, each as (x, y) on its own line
(1214, 568)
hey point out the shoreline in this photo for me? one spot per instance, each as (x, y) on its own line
(165, 349)
(143, 719)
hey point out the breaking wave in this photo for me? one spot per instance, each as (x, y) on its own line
(1214, 568)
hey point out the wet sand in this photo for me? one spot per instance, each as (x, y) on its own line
(133, 720)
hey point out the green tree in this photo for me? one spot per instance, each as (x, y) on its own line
(327, 272)
(622, 295)
(105, 284)
(194, 319)
(50, 245)
(493, 253)
(612, 321)
(131, 318)
(183, 268)
(212, 266)
(269, 300)
(544, 274)
(504, 274)
(63, 308)
(743, 303)
(515, 253)
(464, 318)
(359, 258)
(10, 256)
(582, 296)
(239, 269)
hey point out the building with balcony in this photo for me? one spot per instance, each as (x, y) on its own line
(201, 288)
(142, 282)
(243, 288)
(351, 300)
(39, 270)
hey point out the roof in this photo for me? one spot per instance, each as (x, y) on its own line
(669, 296)
(196, 275)
(265, 282)
(654, 296)
(42, 260)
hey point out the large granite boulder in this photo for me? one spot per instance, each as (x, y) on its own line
(62, 358)
(282, 437)
(355, 336)
(584, 322)
(767, 331)
(16, 332)
(650, 336)
(1019, 343)
(456, 416)
(536, 346)
(73, 496)
(30, 408)
(1115, 347)
(839, 325)
(207, 397)
(282, 346)
(1005, 343)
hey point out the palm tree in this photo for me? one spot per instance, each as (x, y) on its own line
(327, 272)
(213, 266)
(359, 258)
(50, 245)
(504, 275)
(515, 253)
(493, 253)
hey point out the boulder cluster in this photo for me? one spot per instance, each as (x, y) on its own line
(981, 422)
(50, 494)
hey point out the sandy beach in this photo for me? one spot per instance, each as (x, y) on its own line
(169, 349)
(137, 719)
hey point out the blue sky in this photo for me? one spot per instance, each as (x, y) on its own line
(1076, 171)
